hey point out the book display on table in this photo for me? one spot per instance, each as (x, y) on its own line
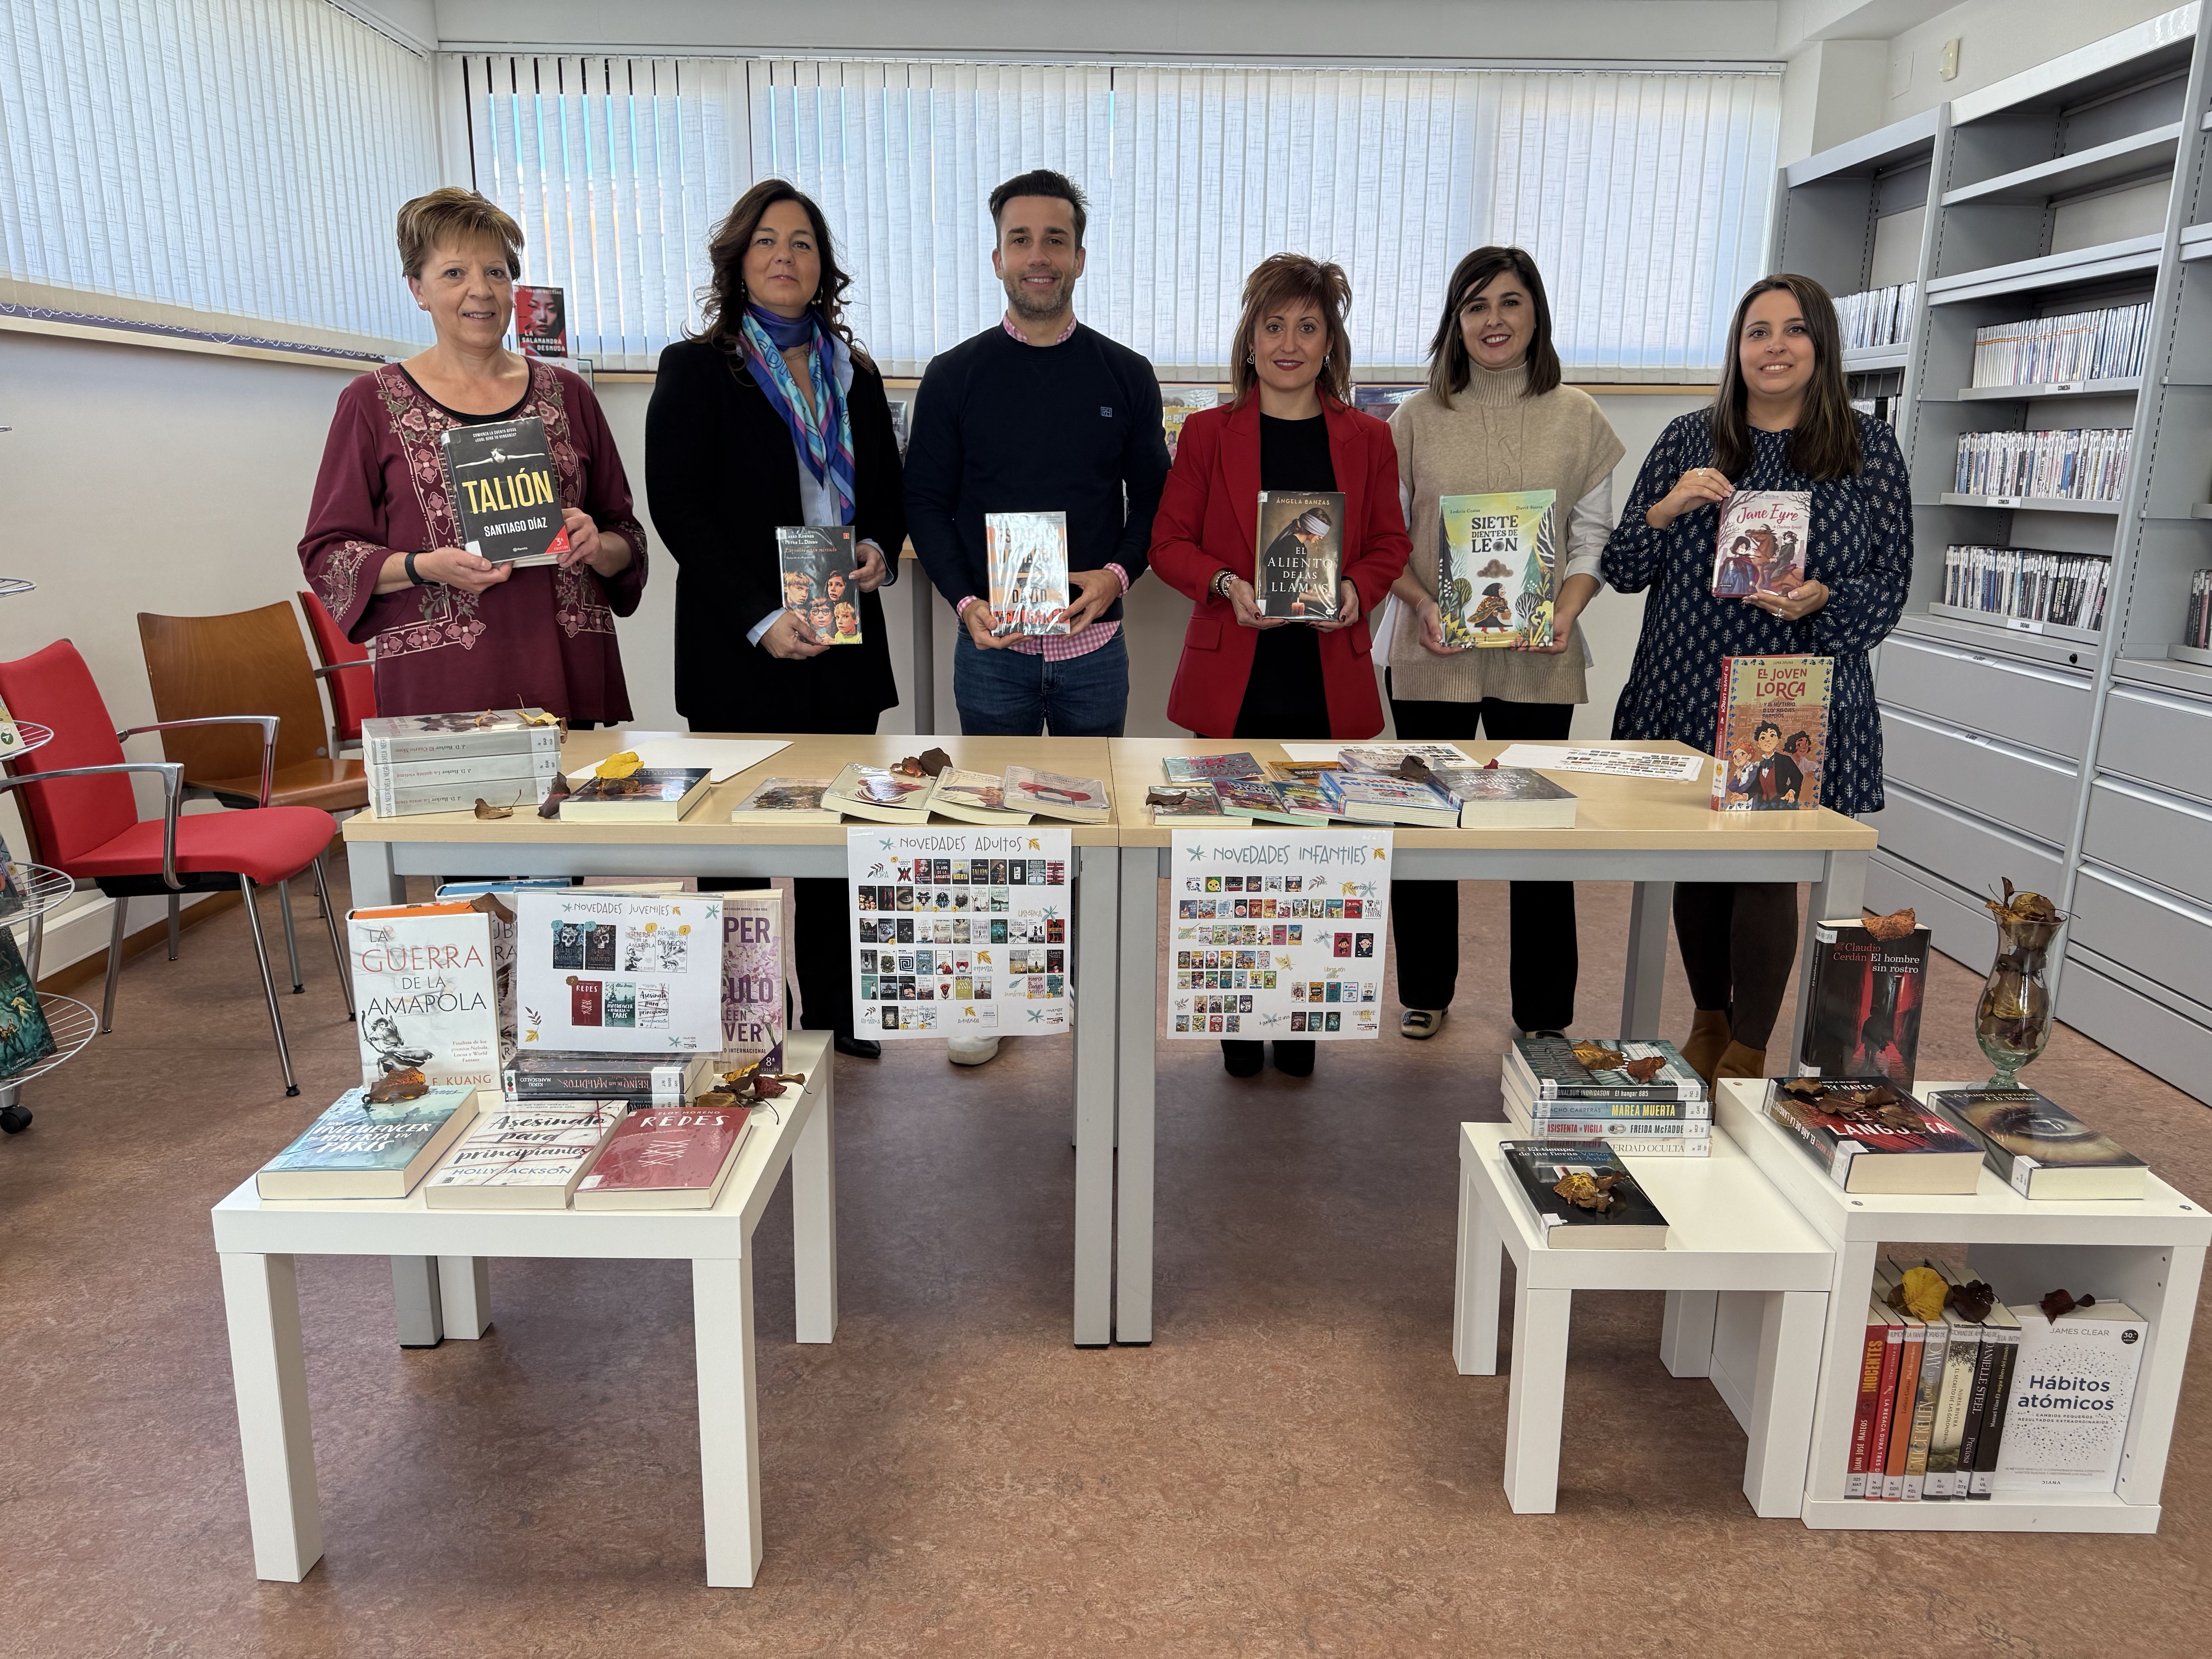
(1298, 785)
(1211, 769)
(543, 1076)
(974, 797)
(1194, 803)
(1772, 739)
(787, 800)
(1026, 553)
(1638, 1095)
(1870, 1139)
(1585, 1199)
(360, 1148)
(1056, 795)
(522, 1158)
(678, 1159)
(1764, 538)
(426, 978)
(447, 762)
(1300, 536)
(816, 564)
(1495, 562)
(1257, 800)
(880, 793)
(1506, 798)
(1368, 797)
(506, 499)
(646, 795)
(2039, 1148)
(1865, 988)
(494, 901)
(618, 973)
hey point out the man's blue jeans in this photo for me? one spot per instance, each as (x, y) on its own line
(1011, 694)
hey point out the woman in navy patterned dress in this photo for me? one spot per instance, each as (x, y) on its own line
(1782, 420)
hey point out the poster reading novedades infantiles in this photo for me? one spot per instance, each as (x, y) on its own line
(1279, 933)
(961, 932)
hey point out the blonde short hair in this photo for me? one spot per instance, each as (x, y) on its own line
(453, 214)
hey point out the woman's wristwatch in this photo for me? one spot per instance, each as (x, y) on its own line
(1222, 578)
(418, 579)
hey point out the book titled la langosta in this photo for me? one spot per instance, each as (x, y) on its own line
(1772, 741)
(507, 498)
(1301, 543)
(1763, 541)
(1495, 568)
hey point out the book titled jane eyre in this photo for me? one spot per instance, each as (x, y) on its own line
(1762, 542)
(505, 498)
(1772, 737)
(1301, 543)
(1027, 554)
(1495, 566)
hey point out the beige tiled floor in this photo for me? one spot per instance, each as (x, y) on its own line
(1292, 1467)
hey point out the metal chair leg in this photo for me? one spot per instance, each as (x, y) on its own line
(176, 904)
(337, 945)
(268, 984)
(114, 965)
(291, 934)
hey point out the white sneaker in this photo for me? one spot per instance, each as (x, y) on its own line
(972, 1050)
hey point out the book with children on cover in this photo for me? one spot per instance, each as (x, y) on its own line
(1772, 741)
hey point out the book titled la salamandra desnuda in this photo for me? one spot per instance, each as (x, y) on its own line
(507, 498)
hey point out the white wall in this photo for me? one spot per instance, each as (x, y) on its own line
(1998, 38)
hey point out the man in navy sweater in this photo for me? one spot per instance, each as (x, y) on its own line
(1038, 414)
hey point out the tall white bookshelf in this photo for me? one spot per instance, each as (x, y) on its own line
(2076, 760)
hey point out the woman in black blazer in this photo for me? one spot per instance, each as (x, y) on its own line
(771, 417)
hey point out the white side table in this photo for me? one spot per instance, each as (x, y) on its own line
(258, 1240)
(1728, 1230)
(2147, 1252)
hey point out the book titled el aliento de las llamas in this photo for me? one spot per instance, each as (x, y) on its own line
(1761, 545)
(1771, 745)
(428, 981)
(506, 497)
(819, 585)
(1865, 988)
(1495, 560)
(1026, 553)
(1300, 544)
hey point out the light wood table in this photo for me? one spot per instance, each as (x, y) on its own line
(1653, 834)
(382, 852)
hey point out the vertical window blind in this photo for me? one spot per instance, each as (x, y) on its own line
(197, 164)
(1643, 196)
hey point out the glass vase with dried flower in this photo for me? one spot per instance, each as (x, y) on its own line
(2012, 1021)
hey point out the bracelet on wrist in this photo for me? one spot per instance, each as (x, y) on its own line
(414, 577)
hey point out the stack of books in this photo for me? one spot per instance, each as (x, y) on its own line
(2196, 626)
(1639, 1097)
(1930, 1421)
(542, 1077)
(448, 762)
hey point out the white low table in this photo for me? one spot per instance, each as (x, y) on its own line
(257, 1241)
(2147, 1252)
(1728, 1232)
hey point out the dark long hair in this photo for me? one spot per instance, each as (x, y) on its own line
(1826, 444)
(1450, 366)
(722, 306)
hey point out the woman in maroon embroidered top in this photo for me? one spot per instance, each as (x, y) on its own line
(450, 631)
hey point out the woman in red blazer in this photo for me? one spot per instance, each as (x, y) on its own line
(1290, 427)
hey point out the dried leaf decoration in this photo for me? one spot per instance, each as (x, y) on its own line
(1923, 1290)
(1596, 1057)
(1645, 1069)
(2055, 1304)
(2018, 906)
(1413, 769)
(551, 806)
(486, 810)
(491, 905)
(405, 1083)
(1584, 1191)
(1973, 1299)
(618, 766)
(1806, 1088)
(1171, 798)
(1896, 925)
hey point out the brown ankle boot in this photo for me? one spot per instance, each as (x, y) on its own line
(1709, 1038)
(1739, 1061)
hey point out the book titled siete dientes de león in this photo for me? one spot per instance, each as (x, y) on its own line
(2039, 1148)
(356, 1150)
(507, 498)
(1897, 1146)
(1629, 1221)
(1301, 542)
(1026, 557)
(1496, 561)
(677, 1159)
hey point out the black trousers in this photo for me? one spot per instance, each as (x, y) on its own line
(1738, 942)
(1425, 915)
(1284, 701)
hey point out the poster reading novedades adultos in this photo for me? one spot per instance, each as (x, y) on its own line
(961, 932)
(1279, 933)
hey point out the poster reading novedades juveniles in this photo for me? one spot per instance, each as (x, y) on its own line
(1279, 933)
(961, 932)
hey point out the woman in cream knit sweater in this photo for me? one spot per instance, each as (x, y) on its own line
(1494, 417)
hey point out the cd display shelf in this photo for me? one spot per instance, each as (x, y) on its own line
(2075, 761)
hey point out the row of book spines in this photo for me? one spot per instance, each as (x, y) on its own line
(2198, 632)
(2081, 345)
(1916, 1382)
(2081, 464)
(2028, 582)
(1876, 317)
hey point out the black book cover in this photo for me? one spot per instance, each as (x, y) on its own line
(1866, 997)
(1540, 1165)
(1301, 543)
(506, 497)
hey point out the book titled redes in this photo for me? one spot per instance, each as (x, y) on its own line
(506, 496)
(1772, 741)
(1027, 554)
(1495, 558)
(1762, 544)
(819, 583)
(1301, 543)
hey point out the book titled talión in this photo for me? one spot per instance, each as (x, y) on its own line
(1772, 741)
(1764, 536)
(1026, 553)
(506, 497)
(1495, 564)
(1301, 543)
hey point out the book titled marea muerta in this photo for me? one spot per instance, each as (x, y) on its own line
(1301, 543)
(506, 499)
(1771, 745)
(1495, 566)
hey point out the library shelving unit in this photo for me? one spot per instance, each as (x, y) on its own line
(2077, 761)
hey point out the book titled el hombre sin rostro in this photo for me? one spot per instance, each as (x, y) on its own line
(1865, 993)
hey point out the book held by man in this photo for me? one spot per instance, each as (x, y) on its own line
(1763, 540)
(1301, 542)
(819, 585)
(357, 1150)
(652, 794)
(1583, 1197)
(1026, 555)
(1870, 1138)
(678, 1159)
(1772, 742)
(525, 1157)
(1496, 562)
(1865, 988)
(506, 499)
(2039, 1148)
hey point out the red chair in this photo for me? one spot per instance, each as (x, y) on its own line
(82, 817)
(345, 669)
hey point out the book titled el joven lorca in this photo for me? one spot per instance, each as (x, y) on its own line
(1301, 543)
(1027, 553)
(1495, 562)
(819, 581)
(505, 498)
(1762, 542)
(1771, 742)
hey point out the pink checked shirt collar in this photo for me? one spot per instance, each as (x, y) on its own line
(1065, 334)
